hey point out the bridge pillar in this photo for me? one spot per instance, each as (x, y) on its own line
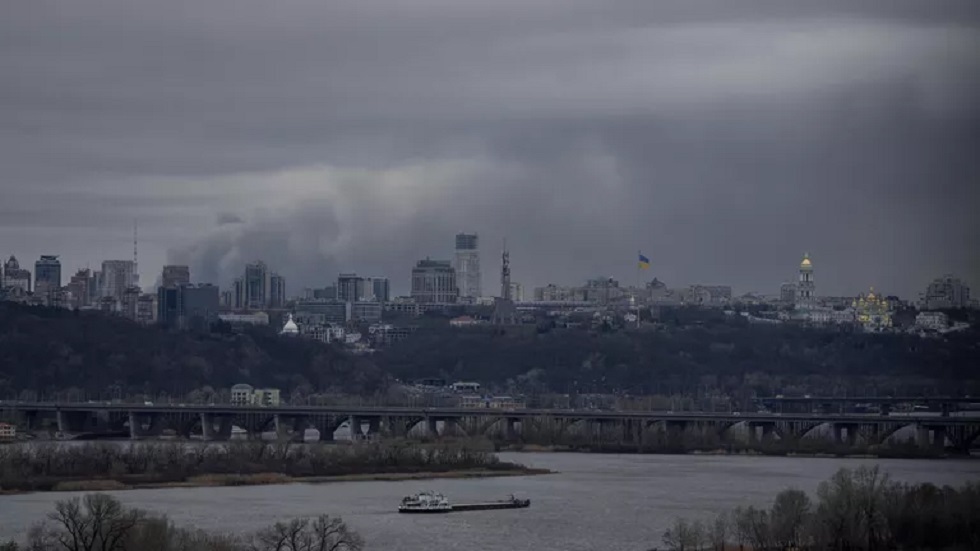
(325, 425)
(431, 427)
(393, 427)
(938, 438)
(135, 426)
(290, 428)
(922, 436)
(510, 428)
(768, 432)
(374, 426)
(207, 427)
(354, 422)
(71, 422)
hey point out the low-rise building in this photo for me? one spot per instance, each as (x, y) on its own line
(491, 402)
(932, 321)
(366, 311)
(8, 431)
(255, 318)
(246, 395)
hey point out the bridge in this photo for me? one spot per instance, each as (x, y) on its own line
(215, 422)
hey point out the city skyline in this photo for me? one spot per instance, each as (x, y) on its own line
(723, 141)
(392, 290)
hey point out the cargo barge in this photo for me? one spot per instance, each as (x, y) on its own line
(429, 502)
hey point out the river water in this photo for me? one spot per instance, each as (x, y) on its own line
(595, 502)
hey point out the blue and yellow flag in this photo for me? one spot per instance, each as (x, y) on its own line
(644, 262)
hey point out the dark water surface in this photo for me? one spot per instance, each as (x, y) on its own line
(595, 503)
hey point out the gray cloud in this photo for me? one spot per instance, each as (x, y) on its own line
(723, 139)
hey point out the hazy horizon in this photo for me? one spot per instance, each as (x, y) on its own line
(722, 140)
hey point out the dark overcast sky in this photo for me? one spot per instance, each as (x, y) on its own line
(722, 138)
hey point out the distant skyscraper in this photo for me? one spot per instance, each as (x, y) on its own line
(256, 285)
(806, 288)
(47, 275)
(277, 291)
(946, 292)
(354, 288)
(350, 287)
(381, 288)
(82, 289)
(467, 265)
(238, 292)
(117, 277)
(434, 281)
(175, 276)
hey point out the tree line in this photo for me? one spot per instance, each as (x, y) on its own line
(49, 349)
(47, 466)
(855, 510)
(99, 522)
(702, 352)
(695, 353)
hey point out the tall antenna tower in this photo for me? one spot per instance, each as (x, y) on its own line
(505, 274)
(136, 271)
(504, 312)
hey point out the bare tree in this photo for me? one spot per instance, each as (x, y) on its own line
(97, 522)
(324, 533)
(720, 530)
(789, 517)
(684, 535)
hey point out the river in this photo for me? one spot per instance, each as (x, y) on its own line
(595, 502)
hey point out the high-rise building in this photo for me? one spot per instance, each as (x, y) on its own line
(350, 287)
(15, 277)
(117, 277)
(946, 292)
(198, 305)
(354, 288)
(381, 288)
(175, 276)
(188, 305)
(277, 291)
(238, 294)
(47, 275)
(82, 289)
(467, 265)
(256, 286)
(434, 281)
(806, 288)
(516, 292)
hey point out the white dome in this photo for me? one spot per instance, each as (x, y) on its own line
(290, 328)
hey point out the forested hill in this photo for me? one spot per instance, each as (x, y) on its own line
(45, 349)
(704, 357)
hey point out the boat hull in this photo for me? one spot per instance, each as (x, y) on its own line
(493, 505)
(489, 506)
(424, 511)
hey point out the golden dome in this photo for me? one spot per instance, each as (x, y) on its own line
(806, 261)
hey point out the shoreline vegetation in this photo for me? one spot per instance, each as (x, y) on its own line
(855, 510)
(100, 521)
(107, 467)
(775, 449)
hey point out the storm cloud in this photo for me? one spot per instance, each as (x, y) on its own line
(723, 139)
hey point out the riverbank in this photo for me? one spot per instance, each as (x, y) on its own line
(260, 479)
(105, 466)
(904, 452)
